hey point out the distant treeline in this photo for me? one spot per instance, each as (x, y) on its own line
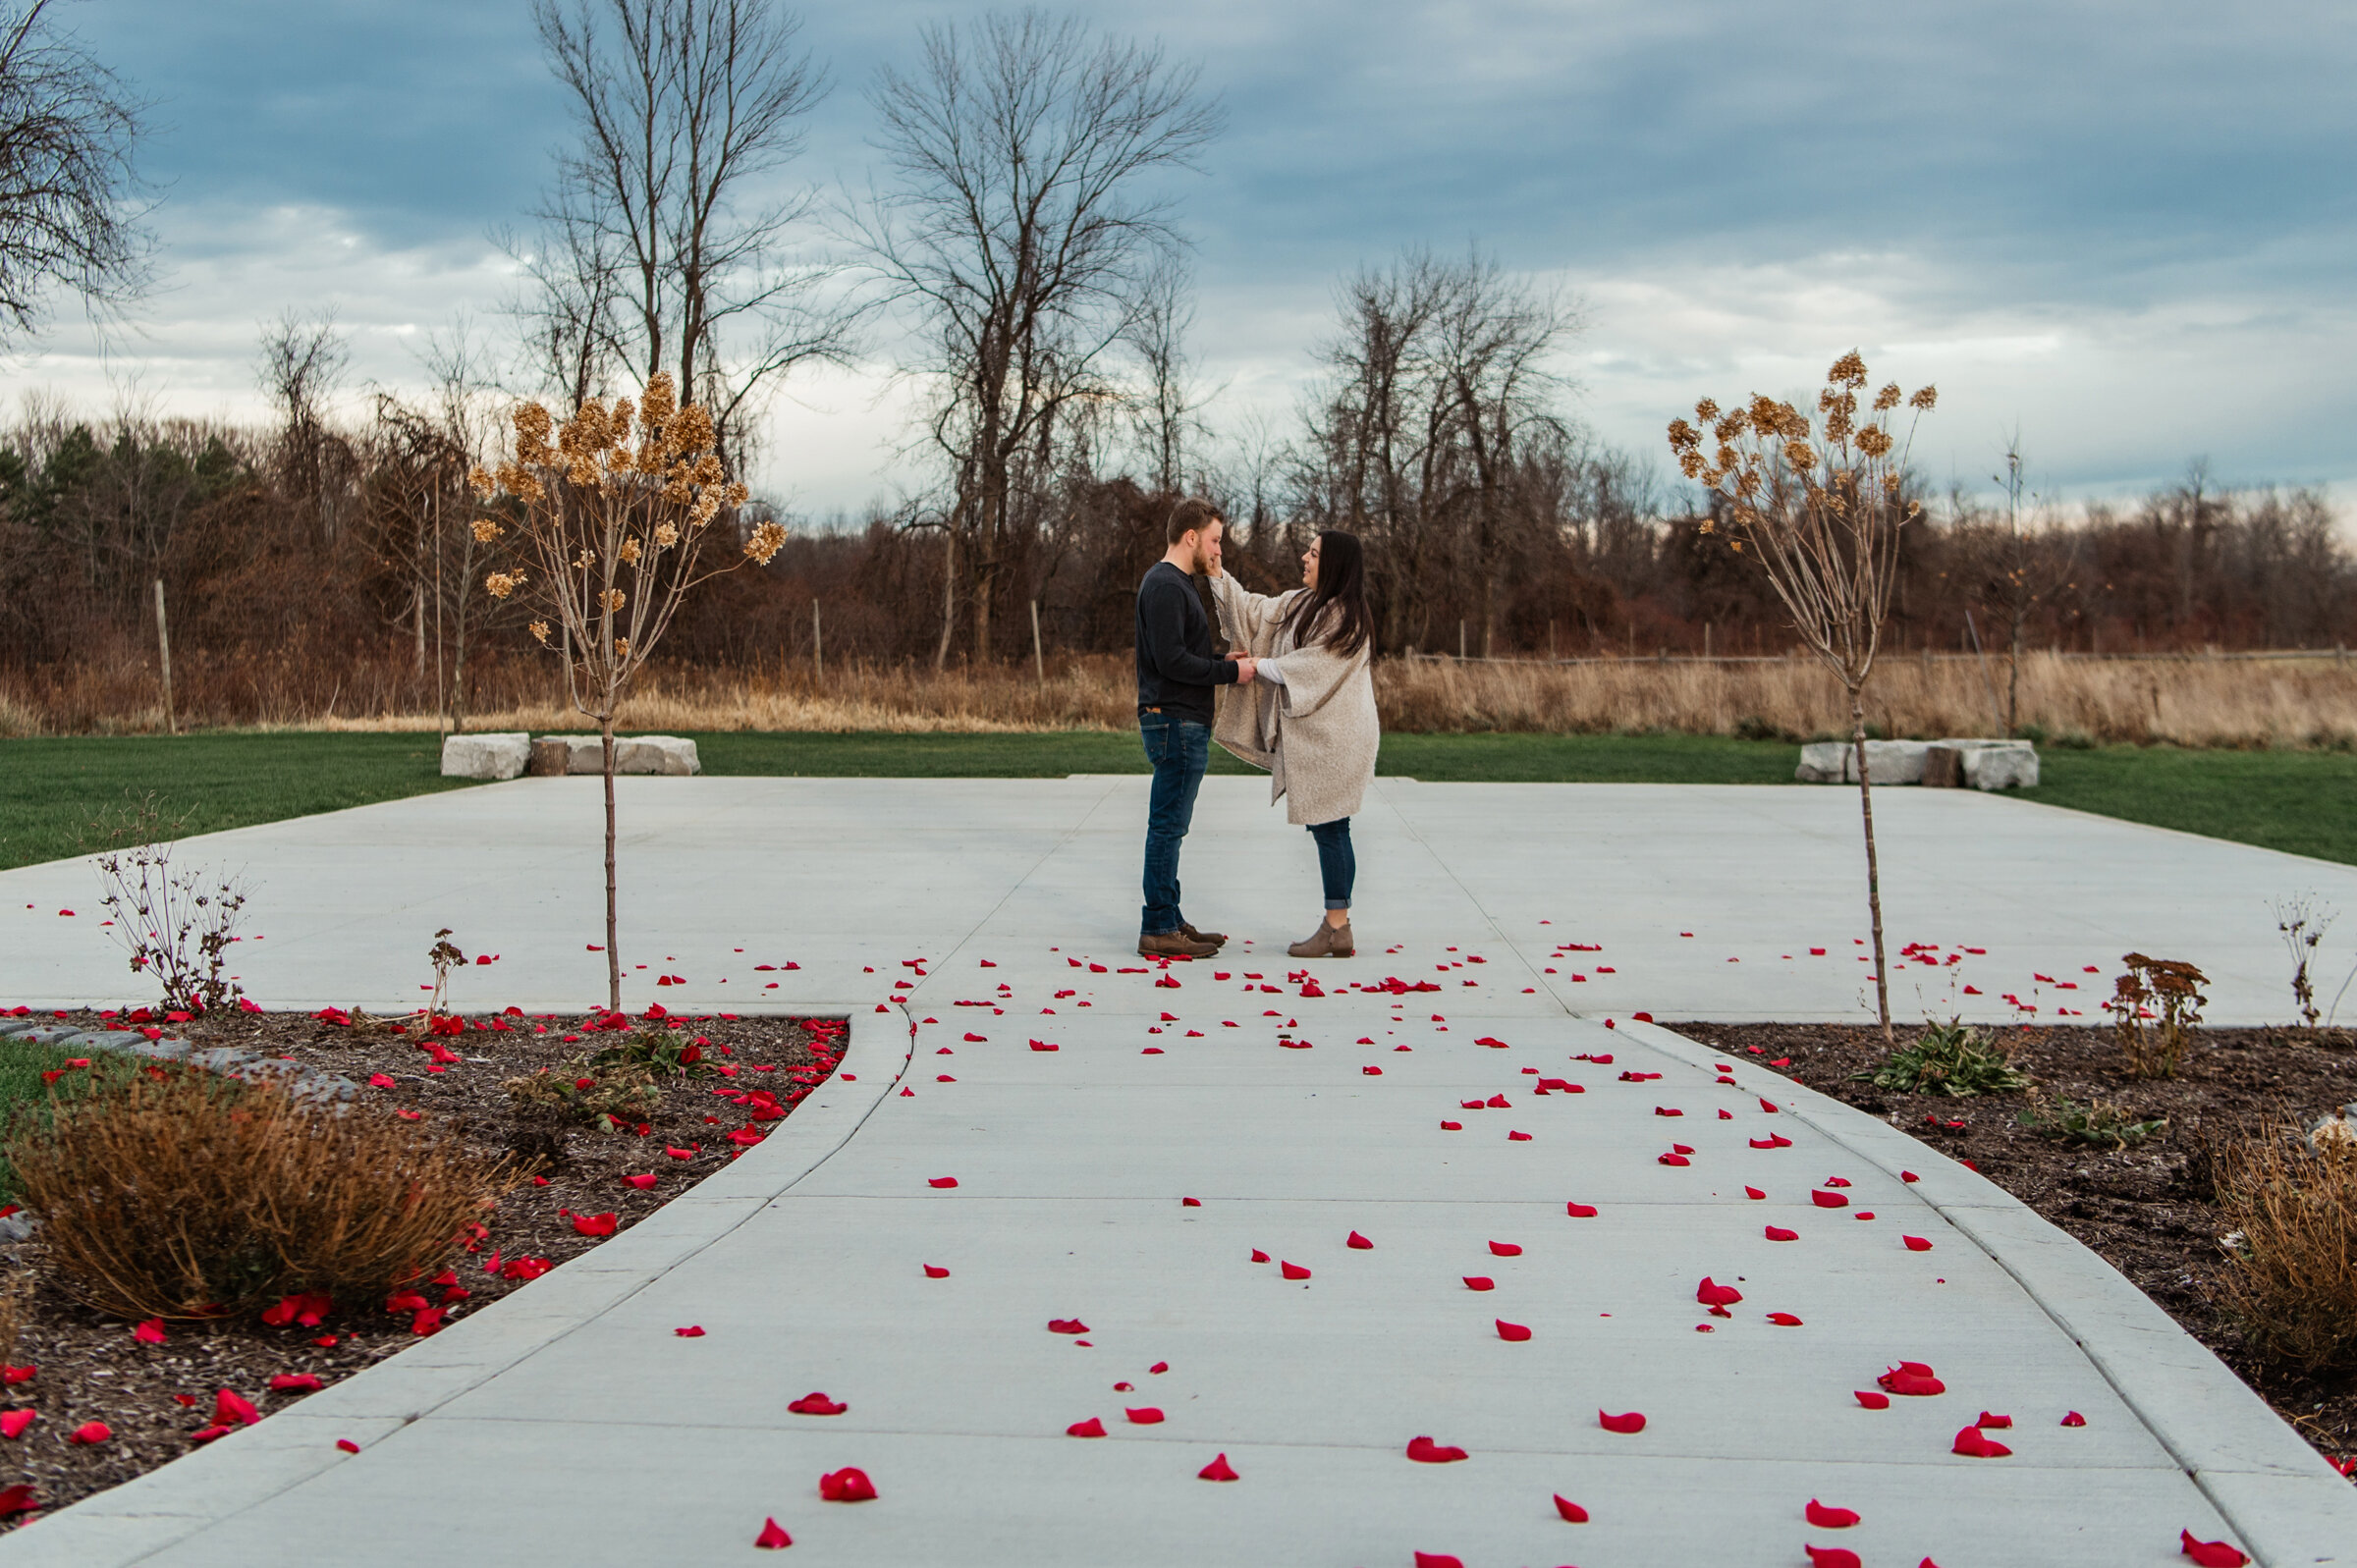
(344, 550)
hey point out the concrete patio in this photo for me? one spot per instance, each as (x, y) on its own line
(569, 1424)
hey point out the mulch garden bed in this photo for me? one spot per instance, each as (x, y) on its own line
(87, 1367)
(2147, 1209)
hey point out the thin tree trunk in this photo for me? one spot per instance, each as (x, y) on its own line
(605, 731)
(1874, 874)
(949, 599)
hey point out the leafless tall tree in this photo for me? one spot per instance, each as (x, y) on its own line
(1025, 228)
(669, 241)
(70, 198)
(1165, 417)
(303, 364)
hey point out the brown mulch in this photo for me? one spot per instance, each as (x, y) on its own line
(152, 1397)
(2147, 1211)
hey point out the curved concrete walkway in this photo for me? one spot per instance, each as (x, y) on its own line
(569, 1424)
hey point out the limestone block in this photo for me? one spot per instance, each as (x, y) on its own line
(1895, 762)
(655, 754)
(669, 755)
(486, 756)
(1822, 762)
(2002, 765)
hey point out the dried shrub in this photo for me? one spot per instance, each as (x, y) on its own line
(2155, 1008)
(177, 1194)
(2291, 1204)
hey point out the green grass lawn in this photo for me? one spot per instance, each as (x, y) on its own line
(51, 788)
(2304, 802)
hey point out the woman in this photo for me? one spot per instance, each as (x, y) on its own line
(1309, 714)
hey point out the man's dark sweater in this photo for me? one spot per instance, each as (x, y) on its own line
(1176, 671)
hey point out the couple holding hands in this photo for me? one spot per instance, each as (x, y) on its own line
(1298, 701)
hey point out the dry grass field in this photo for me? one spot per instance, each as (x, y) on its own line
(2228, 702)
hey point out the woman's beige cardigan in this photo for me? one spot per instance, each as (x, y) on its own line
(1317, 733)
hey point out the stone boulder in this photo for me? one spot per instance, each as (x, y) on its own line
(485, 756)
(669, 755)
(1824, 762)
(2001, 765)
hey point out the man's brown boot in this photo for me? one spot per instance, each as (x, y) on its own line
(1327, 941)
(1174, 944)
(1218, 939)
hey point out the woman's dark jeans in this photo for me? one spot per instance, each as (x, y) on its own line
(1180, 750)
(1337, 863)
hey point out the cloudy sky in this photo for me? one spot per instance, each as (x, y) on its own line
(2124, 229)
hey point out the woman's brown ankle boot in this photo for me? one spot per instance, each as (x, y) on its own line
(1327, 941)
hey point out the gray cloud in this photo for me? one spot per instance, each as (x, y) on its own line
(2125, 227)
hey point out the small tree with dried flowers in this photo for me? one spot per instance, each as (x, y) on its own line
(1821, 512)
(615, 534)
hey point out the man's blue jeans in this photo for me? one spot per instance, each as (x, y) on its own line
(1180, 750)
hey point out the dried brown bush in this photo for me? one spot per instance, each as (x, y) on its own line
(15, 1296)
(2156, 1007)
(2290, 1207)
(178, 1194)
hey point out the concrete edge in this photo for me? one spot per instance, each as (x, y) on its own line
(2284, 1503)
(147, 1515)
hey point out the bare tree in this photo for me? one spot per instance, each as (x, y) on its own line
(1023, 230)
(665, 247)
(70, 213)
(1166, 413)
(1820, 512)
(2020, 570)
(303, 364)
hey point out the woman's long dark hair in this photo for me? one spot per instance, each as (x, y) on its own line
(1342, 584)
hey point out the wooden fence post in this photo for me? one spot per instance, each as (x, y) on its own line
(818, 658)
(1039, 659)
(163, 643)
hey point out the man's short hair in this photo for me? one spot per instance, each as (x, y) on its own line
(1190, 516)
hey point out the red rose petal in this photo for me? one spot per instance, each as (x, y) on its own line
(1066, 1326)
(942, 1181)
(2074, 1418)
(1218, 1469)
(1779, 1233)
(815, 1403)
(1358, 1242)
(1505, 1249)
(1872, 1400)
(295, 1382)
(1293, 1271)
(1438, 1559)
(1753, 1193)
(1831, 1557)
(1712, 1294)
(1424, 1451)
(1479, 1282)
(848, 1485)
(1581, 1210)
(1916, 1243)
(1513, 1333)
(90, 1432)
(1572, 1512)
(1827, 1200)
(1143, 1416)
(2209, 1554)
(1093, 1427)
(1973, 1445)
(347, 1445)
(933, 1272)
(229, 1406)
(14, 1422)
(1784, 1320)
(1258, 1256)
(150, 1332)
(1628, 1423)
(772, 1536)
(1824, 1518)
(1990, 1423)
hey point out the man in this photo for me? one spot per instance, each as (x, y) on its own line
(1175, 675)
